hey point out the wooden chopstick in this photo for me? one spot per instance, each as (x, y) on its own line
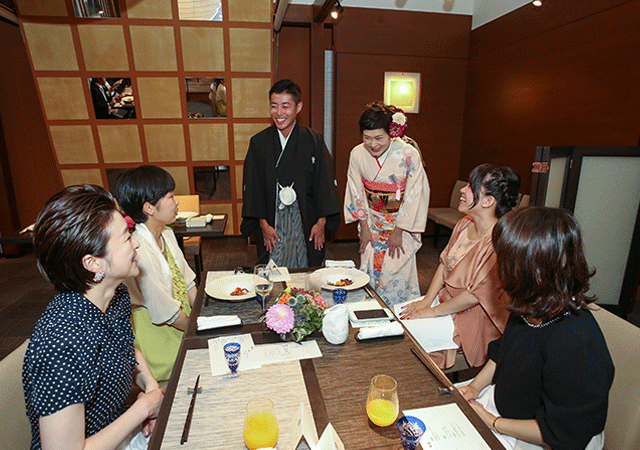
(434, 369)
(187, 422)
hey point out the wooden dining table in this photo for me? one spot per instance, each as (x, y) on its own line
(336, 383)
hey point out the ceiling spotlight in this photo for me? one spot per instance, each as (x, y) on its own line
(337, 10)
(537, 2)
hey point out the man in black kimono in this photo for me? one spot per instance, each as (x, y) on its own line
(290, 192)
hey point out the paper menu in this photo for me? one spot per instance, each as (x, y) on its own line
(287, 351)
(249, 358)
(433, 334)
(447, 429)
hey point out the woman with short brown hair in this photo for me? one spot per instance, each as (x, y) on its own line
(547, 380)
(81, 361)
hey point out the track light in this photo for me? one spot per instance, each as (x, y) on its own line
(537, 2)
(337, 10)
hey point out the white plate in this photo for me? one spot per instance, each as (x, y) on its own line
(221, 288)
(186, 214)
(322, 277)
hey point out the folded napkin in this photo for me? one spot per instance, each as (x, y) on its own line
(390, 329)
(207, 323)
(278, 273)
(340, 263)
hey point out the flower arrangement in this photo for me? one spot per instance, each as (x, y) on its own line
(298, 312)
(398, 124)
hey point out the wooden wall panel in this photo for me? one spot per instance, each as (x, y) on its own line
(575, 84)
(529, 21)
(442, 64)
(293, 62)
(385, 32)
(29, 161)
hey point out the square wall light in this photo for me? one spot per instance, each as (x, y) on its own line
(402, 90)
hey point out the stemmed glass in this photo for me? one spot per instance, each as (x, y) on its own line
(263, 284)
(382, 401)
(260, 424)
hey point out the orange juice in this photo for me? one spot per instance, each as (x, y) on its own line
(382, 412)
(260, 430)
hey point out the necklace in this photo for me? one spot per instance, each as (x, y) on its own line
(544, 324)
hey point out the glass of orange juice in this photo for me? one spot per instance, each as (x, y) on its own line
(382, 401)
(260, 424)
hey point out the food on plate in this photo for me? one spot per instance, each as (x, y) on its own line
(239, 291)
(341, 282)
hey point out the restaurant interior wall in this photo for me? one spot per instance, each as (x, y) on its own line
(29, 174)
(155, 49)
(434, 45)
(567, 73)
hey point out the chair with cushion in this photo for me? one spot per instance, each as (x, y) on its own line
(447, 217)
(15, 426)
(622, 430)
(192, 245)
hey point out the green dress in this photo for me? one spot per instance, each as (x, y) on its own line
(160, 343)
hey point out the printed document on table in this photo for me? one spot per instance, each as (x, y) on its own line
(447, 429)
(433, 334)
(249, 358)
(287, 351)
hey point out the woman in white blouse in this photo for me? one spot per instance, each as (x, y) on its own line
(164, 291)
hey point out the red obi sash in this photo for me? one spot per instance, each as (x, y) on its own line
(383, 197)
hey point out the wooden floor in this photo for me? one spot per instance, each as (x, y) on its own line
(24, 293)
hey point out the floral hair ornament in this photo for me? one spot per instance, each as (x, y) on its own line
(398, 124)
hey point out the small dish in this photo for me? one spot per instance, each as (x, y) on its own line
(323, 278)
(221, 288)
(186, 214)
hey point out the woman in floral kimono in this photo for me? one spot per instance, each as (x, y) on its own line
(466, 282)
(388, 195)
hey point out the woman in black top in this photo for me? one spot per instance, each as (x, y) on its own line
(549, 375)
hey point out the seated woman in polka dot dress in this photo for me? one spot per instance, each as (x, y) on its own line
(81, 361)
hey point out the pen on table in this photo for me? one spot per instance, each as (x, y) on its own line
(187, 422)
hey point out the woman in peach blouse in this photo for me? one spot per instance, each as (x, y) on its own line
(466, 284)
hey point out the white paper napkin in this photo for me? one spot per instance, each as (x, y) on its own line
(390, 329)
(340, 263)
(207, 323)
(278, 273)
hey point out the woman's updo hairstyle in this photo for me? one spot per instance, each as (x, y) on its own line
(376, 115)
(501, 183)
(72, 224)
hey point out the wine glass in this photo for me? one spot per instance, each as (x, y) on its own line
(263, 284)
(260, 424)
(411, 430)
(382, 401)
